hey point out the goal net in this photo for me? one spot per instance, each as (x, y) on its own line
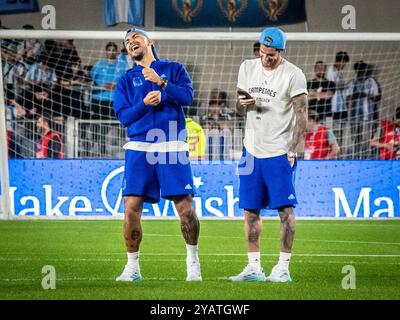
(65, 80)
(70, 82)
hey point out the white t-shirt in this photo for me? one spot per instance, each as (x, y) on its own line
(270, 122)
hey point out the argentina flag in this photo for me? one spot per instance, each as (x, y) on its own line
(130, 11)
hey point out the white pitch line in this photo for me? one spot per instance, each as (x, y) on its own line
(351, 241)
(92, 279)
(297, 240)
(351, 224)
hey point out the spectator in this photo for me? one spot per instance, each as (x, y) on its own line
(105, 74)
(39, 100)
(387, 138)
(50, 144)
(87, 73)
(320, 142)
(18, 110)
(30, 49)
(4, 43)
(60, 53)
(74, 75)
(217, 127)
(339, 108)
(256, 49)
(13, 148)
(124, 58)
(361, 96)
(320, 92)
(196, 140)
(21, 134)
(12, 71)
(40, 73)
(72, 90)
(216, 117)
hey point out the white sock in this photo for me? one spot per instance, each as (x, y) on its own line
(254, 260)
(284, 259)
(133, 260)
(192, 253)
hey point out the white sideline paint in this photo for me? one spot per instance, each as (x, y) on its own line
(297, 240)
(206, 218)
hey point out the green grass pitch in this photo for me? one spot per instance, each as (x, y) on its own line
(88, 255)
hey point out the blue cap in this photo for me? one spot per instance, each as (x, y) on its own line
(273, 37)
(133, 30)
(143, 33)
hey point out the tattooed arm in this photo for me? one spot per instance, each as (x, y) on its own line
(300, 106)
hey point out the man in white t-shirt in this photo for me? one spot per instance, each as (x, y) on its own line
(276, 109)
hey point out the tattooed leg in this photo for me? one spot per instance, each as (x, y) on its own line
(132, 223)
(253, 227)
(190, 225)
(288, 228)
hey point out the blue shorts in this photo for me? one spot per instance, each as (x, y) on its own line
(266, 183)
(145, 178)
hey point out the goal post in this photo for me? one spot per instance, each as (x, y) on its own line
(212, 60)
(5, 212)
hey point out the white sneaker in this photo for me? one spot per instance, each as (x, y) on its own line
(249, 274)
(279, 275)
(130, 274)
(193, 272)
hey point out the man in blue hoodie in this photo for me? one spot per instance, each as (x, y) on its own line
(148, 101)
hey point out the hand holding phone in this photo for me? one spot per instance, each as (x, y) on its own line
(245, 98)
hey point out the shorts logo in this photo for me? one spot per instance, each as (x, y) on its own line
(291, 197)
(188, 187)
(137, 82)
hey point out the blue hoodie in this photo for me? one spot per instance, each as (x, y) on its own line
(138, 118)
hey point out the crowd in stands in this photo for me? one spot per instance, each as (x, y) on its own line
(47, 82)
(49, 78)
(335, 103)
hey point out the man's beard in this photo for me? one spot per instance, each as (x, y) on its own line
(267, 64)
(139, 56)
(271, 64)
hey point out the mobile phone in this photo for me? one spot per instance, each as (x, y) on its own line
(242, 92)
